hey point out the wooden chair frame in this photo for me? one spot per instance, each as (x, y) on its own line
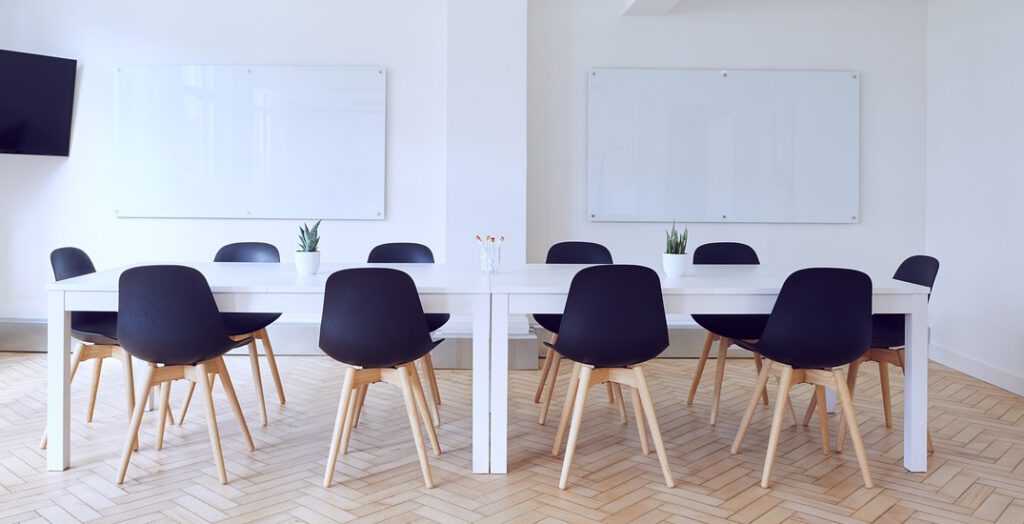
(203, 374)
(353, 392)
(788, 377)
(583, 378)
(549, 376)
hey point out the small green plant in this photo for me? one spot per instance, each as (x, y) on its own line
(309, 239)
(675, 243)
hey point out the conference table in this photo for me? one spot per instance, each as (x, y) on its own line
(489, 300)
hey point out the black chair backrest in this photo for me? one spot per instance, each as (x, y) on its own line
(821, 319)
(167, 314)
(401, 253)
(614, 316)
(248, 252)
(373, 318)
(918, 269)
(578, 253)
(68, 262)
(725, 253)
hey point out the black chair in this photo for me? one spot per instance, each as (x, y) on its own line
(249, 325)
(821, 321)
(95, 331)
(168, 318)
(567, 253)
(888, 340)
(614, 320)
(412, 253)
(725, 328)
(373, 322)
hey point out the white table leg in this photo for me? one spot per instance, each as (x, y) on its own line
(58, 394)
(915, 403)
(499, 383)
(481, 383)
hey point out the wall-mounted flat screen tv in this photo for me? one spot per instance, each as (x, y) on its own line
(36, 97)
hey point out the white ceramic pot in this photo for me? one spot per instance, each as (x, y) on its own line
(307, 263)
(674, 265)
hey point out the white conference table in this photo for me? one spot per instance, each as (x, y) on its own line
(489, 300)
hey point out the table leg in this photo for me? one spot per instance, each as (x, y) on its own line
(499, 383)
(58, 394)
(481, 383)
(915, 403)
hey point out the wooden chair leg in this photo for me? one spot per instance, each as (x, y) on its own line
(360, 400)
(136, 421)
(641, 424)
(190, 389)
(883, 378)
(435, 416)
(257, 381)
(435, 392)
(577, 408)
(350, 420)
(819, 395)
(161, 421)
(652, 421)
(421, 404)
(544, 369)
(129, 385)
(851, 419)
(748, 415)
(851, 385)
(757, 365)
(206, 391)
(229, 390)
(76, 358)
(619, 401)
(723, 348)
(268, 349)
(790, 411)
(94, 388)
(556, 361)
(780, 413)
(339, 426)
(570, 399)
(704, 353)
(414, 425)
(610, 389)
(810, 410)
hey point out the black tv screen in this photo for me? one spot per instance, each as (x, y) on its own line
(36, 97)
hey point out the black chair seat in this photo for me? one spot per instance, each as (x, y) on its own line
(408, 253)
(736, 327)
(94, 327)
(572, 252)
(245, 323)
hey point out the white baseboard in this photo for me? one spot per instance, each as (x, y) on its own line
(980, 370)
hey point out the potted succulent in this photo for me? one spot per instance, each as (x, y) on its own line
(673, 261)
(307, 258)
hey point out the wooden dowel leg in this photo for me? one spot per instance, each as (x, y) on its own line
(94, 388)
(819, 395)
(851, 420)
(705, 352)
(652, 420)
(851, 385)
(206, 391)
(810, 410)
(723, 348)
(421, 405)
(757, 365)
(350, 420)
(780, 413)
(570, 400)
(269, 350)
(748, 415)
(544, 369)
(883, 378)
(556, 361)
(611, 392)
(641, 424)
(186, 401)
(161, 420)
(435, 392)
(435, 416)
(133, 427)
(339, 426)
(360, 400)
(620, 402)
(414, 425)
(579, 403)
(236, 408)
(257, 381)
(129, 386)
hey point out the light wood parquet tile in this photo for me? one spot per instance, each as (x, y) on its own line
(976, 474)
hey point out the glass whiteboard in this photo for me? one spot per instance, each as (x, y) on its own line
(723, 146)
(207, 141)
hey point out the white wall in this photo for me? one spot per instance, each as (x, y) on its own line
(49, 202)
(976, 186)
(883, 39)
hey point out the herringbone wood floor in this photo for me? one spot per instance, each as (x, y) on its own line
(976, 474)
